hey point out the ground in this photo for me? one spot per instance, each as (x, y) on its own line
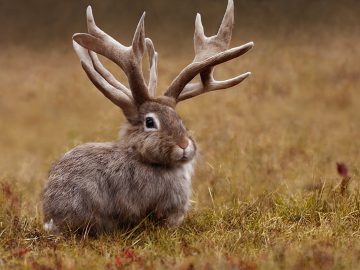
(267, 192)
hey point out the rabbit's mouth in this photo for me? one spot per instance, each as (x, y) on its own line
(184, 159)
(181, 154)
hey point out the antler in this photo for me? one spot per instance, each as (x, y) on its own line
(129, 59)
(104, 81)
(209, 52)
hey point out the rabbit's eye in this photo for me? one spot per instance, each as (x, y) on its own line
(150, 122)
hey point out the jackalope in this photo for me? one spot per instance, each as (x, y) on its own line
(148, 171)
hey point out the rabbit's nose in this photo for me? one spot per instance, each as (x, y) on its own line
(184, 143)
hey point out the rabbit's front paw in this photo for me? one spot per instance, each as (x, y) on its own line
(50, 227)
(174, 220)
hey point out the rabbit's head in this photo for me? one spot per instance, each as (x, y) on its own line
(159, 135)
(155, 129)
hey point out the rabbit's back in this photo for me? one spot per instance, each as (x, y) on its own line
(75, 189)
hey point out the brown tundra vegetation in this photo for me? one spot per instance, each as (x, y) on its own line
(277, 180)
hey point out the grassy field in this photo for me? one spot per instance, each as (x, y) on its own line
(267, 194)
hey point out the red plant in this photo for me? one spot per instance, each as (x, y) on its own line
(20, 252)
(126, 257)
(344, 173)
(129, 254)
(10, 195)
(342, 169)
(118, 262)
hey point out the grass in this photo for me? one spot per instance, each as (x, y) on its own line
(267, 194)
(314, 231)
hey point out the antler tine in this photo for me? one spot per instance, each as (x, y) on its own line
(93, 29)
(209, 52)
(225, 30)
(129, 59)
(195, 89)
(107, 75)
(199, 35)
(153, 59)
(119, 98)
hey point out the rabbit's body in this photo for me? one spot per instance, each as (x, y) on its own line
(104, 185)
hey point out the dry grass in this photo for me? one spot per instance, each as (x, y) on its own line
(265, 191)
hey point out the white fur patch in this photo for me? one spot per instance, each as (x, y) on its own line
(189, 149)
(187, 171)
(50, 226)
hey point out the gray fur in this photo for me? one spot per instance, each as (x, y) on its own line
(119, 183)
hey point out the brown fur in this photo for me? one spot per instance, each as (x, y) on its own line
(109, 184)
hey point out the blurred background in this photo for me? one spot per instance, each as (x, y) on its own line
(282, 129)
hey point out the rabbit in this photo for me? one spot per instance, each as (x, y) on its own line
(148, 170)
(107, 184)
